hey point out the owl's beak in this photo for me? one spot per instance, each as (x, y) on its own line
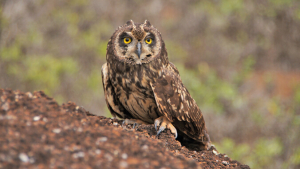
(138, 50)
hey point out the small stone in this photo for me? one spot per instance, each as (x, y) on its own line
(102, 139)
(29, 94)
(115, 123)
(98, 151)
(225, 162)
(145, 147)
(31, 160)
(36, 118)
(9, 117)
(66, 148)
(124, 156)
(78, 155)
(123, 164)
(45, 119)
(215, 152)
(57, 130)
(23, 157)
(5, 106)
(79, 129)
(108, 157)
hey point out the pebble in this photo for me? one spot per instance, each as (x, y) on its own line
(102, 139)
(124, 156)
(57, 130)
(215, 152)
(78, 155)
(29, 94)
(5, 106)
(79, 129)
(145, 147)
(23, 157)
(123, 164)
(98, 151)
(108, 157)
(9, 117)
(36, 118)
(225, 162)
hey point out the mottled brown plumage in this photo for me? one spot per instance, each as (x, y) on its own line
(140, 83)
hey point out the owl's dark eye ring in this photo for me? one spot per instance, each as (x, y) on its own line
(127, 40)
(148, 41)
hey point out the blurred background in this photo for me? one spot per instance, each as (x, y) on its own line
(240, 60)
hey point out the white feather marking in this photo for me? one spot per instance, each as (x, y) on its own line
(104, 69)
(181, 106)
(174, 107)
(127, 81)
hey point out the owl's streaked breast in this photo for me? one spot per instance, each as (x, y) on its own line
(135, 94)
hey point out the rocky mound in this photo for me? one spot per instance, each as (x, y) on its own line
(35, 132)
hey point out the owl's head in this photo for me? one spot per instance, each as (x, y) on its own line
(136, 43)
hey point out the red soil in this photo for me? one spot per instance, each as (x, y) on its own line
(35, 132)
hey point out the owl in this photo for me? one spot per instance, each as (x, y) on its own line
(141, 86)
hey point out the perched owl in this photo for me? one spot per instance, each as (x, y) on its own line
(142, 86)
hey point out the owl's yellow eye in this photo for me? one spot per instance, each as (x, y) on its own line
(148, 40)
(127, 40)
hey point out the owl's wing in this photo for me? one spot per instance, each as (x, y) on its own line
(113, 104)
(175, 102)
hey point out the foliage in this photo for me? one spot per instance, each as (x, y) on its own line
(260, 156)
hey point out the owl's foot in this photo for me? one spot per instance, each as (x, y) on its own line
(134, 122)
(164, 123)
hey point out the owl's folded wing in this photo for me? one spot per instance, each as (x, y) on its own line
(175, 103)
(113, 104)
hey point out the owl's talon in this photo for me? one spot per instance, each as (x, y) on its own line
(164, 123)
(156, 123)
(162, 128)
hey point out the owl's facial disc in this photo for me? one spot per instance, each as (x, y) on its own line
(137, 51)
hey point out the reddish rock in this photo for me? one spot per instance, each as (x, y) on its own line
(35, 132)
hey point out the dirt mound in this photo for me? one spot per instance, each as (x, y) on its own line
(35, 132)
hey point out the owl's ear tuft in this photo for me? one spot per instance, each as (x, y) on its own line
(130, 22)
(147, 23)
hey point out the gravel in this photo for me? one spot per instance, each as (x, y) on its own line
(36, 132)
